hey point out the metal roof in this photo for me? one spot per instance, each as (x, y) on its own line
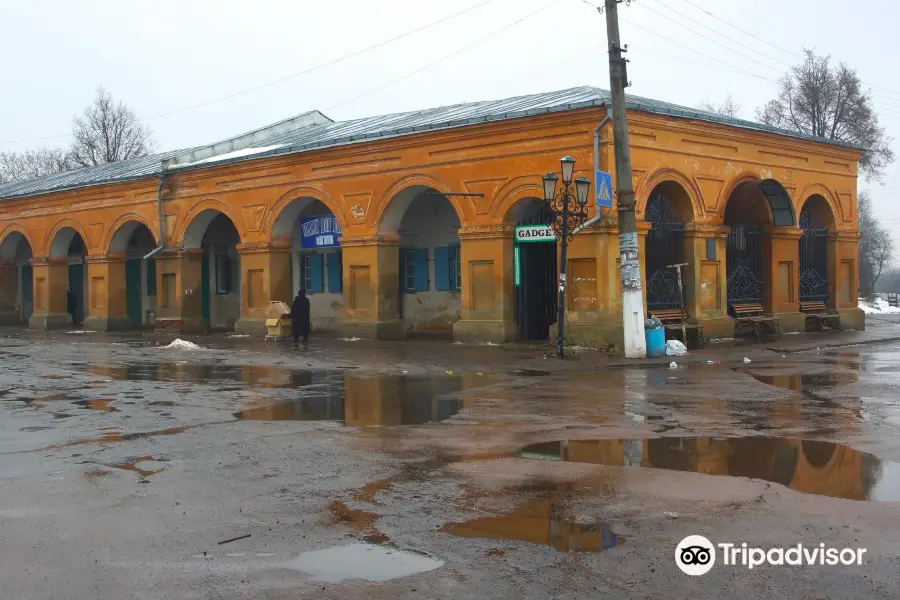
(329, 134)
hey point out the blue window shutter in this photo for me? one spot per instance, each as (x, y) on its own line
(315, 268)
(333, 264)
(442, 268)
(420, 269)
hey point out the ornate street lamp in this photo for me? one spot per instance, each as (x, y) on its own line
(568, 212)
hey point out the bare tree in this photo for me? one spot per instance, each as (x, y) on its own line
(728, 108)
(827, 101)
(876, 248)
(109, 132)
(17, 166)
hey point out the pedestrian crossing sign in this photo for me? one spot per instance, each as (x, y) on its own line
(604, 189)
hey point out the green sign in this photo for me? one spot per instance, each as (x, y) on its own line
(517, 277)
(535, 233)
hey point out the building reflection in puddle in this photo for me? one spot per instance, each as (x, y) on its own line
(361, 401)
(812, 467)
(540, 522)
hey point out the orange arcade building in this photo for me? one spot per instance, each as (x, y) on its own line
(404, 224)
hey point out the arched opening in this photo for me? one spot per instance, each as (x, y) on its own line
(68, 244)
(668, 209)
(316, 263)
(748, 215)
(16, 278)
(818, 454)
(430, 267)
(815, 221)
(535, 265)
(135, 241)
(220, 272)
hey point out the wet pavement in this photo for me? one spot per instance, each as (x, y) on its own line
(234, 469)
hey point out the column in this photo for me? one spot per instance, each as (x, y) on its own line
(179, 291)
(705, 278)
(51, 279)
(781, 264)
(371, 266)
(594, 288)
(9, 293)
(488, 301)
(106, 309)
(265, 277)
(843, 277)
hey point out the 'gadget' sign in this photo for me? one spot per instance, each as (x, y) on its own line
(535, 233)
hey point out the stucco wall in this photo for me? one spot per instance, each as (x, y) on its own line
(430, 222)
(224, 309)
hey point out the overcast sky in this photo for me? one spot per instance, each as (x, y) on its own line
(165, 56)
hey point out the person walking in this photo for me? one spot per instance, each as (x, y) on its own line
(300, 320)
(71, 304)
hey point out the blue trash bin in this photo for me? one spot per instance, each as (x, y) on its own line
(656, 342)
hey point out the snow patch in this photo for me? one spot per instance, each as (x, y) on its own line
(351, 339)
(181, 344)
(229, 155)
(879, 306)
(82, 331)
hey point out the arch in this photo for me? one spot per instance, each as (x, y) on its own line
(818, 190)
(193, 227)
(61, 237)
(513, 191)
(667, 209)
(280, 220)
(780, 203)
(400, 195)
(818, 454)
(121, 231)
(672, 177)
(10, 240)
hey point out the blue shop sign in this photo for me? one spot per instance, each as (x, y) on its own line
(319, 232)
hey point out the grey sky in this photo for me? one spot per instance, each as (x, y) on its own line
(165, 55)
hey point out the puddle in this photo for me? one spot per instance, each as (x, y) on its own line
(99, 404)
(529, 373)
(807, 466)
(368, 562)
(360, 522)
(144, 466)
(368, 401)
(539, 522)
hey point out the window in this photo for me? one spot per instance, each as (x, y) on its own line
(305, 272)
(455, 268)
(311, 273)
(223, 275)
(447, 268)
(414, 270)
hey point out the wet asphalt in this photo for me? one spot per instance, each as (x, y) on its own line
(235, 469)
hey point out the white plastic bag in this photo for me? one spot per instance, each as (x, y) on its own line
(675, 348)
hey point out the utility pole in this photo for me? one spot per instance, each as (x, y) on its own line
(632, 296)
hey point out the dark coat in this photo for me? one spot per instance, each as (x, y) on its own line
(300, 314)
(71, 301)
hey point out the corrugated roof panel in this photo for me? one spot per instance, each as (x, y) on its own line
(344, 132)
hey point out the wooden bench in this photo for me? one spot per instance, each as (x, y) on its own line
(819, 313)
(753, 317)
(671, 320)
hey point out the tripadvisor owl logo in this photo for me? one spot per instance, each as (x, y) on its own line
(695, 555)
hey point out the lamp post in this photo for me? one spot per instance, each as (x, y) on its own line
(568, 212)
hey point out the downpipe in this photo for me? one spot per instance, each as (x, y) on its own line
(162, 226)
(597, 130)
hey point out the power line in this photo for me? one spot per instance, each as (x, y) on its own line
(695, 32)
(780, 48)
(283, 79)
(443, 58)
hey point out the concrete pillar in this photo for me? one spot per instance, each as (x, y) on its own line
(9, 293)
(705, 278)
(781, 287)
(488, 301)
(265, 277)
(843, 277)
(594, 288)
(106, 309)
(51, 279)
(371, 267)
(179, 291)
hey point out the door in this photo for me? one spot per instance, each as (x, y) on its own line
(76, 282)
(133, 295)
(204, 289)
(537, 295)
(27, 288)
